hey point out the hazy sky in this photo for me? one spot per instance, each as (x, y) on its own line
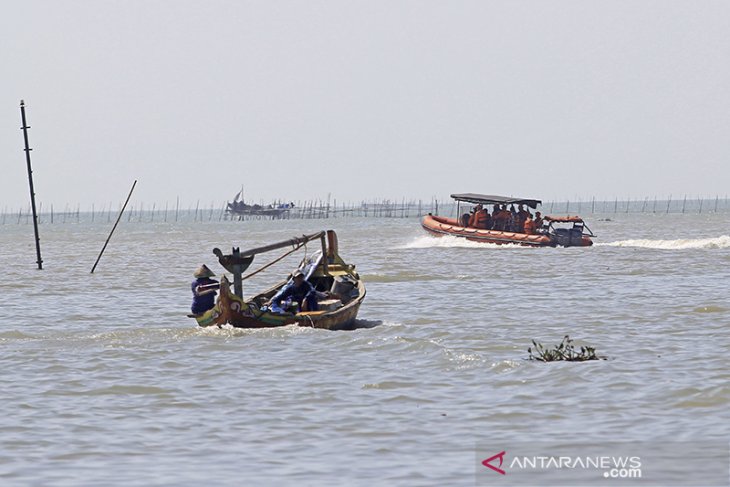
(364, 99)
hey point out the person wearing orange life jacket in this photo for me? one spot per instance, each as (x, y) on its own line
(538, 220)
(501, 218)
(522, 215)
(481, 218)
(512, 220)
(529, 225)
(472, 216)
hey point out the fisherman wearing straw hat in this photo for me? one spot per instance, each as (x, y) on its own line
(204, 290)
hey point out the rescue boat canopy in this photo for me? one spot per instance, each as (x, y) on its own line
(491, 200)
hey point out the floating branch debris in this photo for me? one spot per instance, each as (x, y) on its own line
(564, 351)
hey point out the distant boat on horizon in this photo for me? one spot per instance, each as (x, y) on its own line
(239, 208)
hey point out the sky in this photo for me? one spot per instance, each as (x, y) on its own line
(363, 100)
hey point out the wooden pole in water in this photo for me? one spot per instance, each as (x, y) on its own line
(114, 227)
(25, 128)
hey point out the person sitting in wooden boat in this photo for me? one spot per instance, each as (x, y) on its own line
(204, 290)
(300, 291)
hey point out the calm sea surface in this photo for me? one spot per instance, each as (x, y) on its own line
(106, 382)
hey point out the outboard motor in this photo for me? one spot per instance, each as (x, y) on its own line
(561, 236)
(568, 237)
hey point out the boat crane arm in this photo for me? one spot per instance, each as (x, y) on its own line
(238, 261)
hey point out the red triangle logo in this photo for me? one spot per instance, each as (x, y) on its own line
(499, 455)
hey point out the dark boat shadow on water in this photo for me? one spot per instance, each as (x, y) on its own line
(358, 324)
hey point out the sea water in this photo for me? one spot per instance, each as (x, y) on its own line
(105, 381)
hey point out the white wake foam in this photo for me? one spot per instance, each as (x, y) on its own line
(449, 241)
(722, 242)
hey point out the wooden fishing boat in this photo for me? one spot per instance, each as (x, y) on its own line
(325, 270)
(567, 231)
(238, 209)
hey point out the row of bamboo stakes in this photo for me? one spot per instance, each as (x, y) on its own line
(317, 209)
(314, 209)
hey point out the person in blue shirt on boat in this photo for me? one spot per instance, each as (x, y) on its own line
(204, 290)
(299, 290)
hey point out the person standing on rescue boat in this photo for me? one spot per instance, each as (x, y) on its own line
(501, 217)
(529, 225)
(204, 290)
(473, 216)
(476, 215)
(522, 216)
(538, 220)
(481, 218)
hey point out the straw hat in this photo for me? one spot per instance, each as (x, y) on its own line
(203, 271)
(297, 273)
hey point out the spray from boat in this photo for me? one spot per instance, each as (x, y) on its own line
(450, 241)
(721, 242)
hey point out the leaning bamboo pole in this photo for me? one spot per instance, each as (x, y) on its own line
(114, 228)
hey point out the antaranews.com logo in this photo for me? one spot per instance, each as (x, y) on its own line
(610, 466)
(660, 463)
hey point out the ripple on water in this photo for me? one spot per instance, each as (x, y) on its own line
(711, 309)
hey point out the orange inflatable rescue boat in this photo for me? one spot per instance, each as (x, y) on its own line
(507, 226)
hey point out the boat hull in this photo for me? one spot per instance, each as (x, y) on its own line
(234, 311)
(440, 226)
